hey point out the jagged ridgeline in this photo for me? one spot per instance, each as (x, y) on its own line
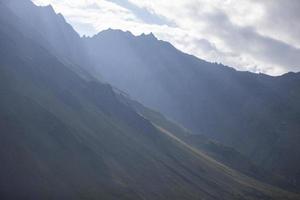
(65, 134)
(257, 114)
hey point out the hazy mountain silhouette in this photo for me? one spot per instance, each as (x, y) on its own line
(66, 135)
(257, 114)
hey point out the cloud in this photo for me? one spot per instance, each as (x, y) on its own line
(142, 13)
(270, 55)
(92, 15)
(260, 36)
(281, 21)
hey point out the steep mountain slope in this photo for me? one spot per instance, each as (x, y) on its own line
(219, 152)
(51, 32)
(259, 115)
(229, 106)
(64, 136)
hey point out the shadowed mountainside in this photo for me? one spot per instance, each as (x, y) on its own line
(257, 114)
(65, 135)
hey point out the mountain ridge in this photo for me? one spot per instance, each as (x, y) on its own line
(174, 82)
(206, 97)
(150, 35)
(65, 134)
(72, 140)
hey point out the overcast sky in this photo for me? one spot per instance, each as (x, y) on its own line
(256, 35)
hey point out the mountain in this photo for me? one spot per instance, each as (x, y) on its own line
(224, 154)
(257, 114)
(52, 32)
(66, 135)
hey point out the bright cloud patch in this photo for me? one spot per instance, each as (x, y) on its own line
(260, 36)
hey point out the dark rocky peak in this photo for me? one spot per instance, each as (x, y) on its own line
(114, 33)
(149, 36)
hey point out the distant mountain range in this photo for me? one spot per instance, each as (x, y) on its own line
(66, 133)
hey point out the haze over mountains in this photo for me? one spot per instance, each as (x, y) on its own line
(66, 134)
(257, 114)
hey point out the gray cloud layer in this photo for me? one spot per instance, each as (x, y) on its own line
(245, 40)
